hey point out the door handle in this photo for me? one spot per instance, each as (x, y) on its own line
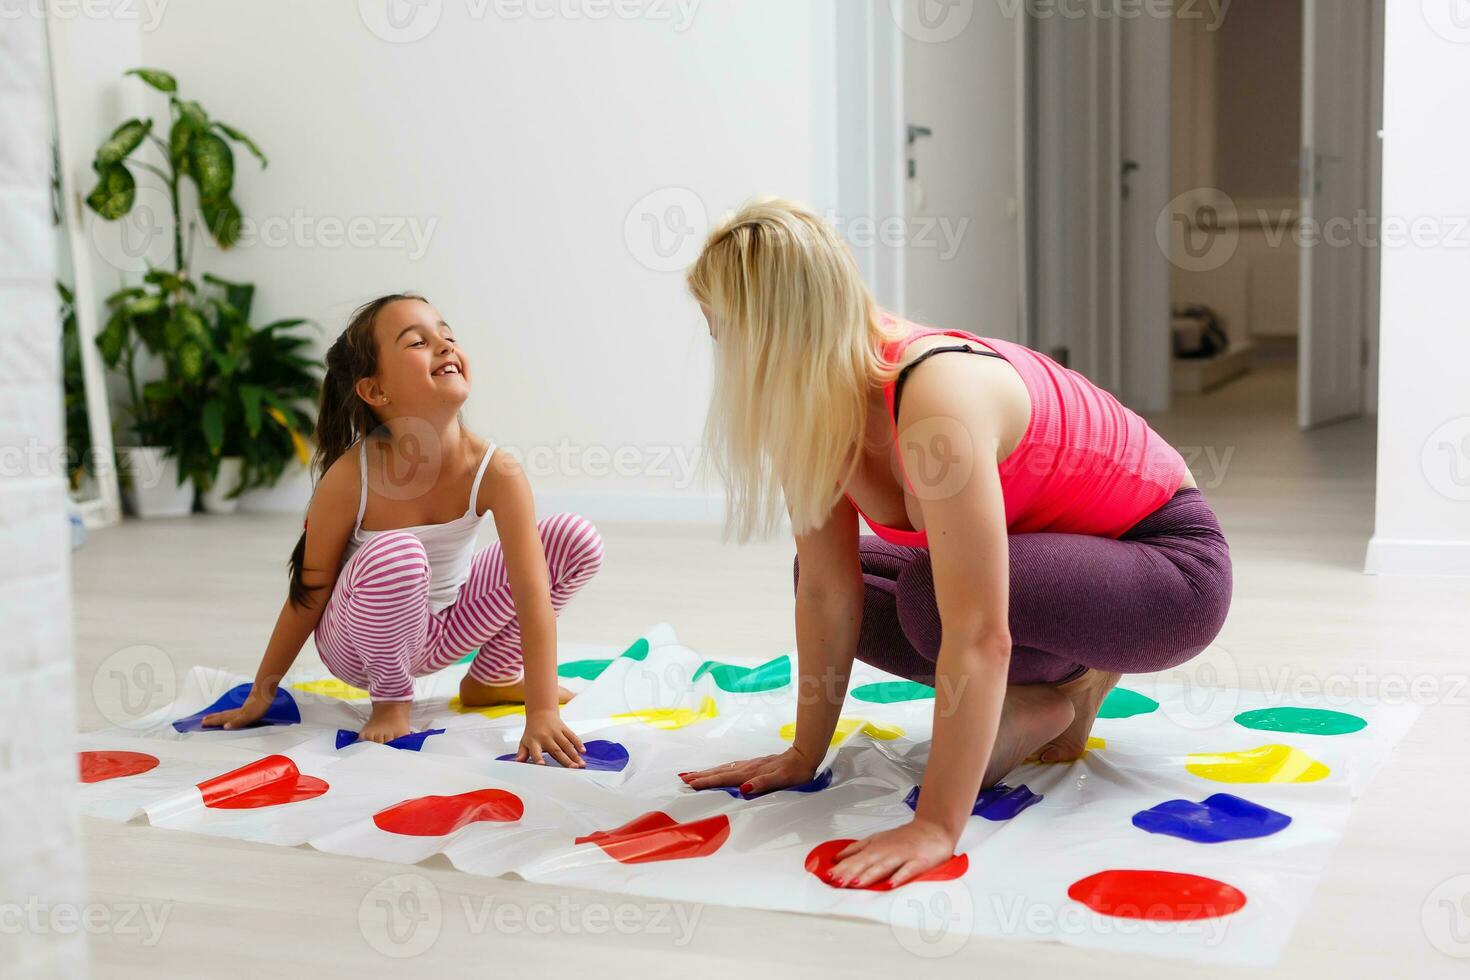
(1128, 167)
(914, 135)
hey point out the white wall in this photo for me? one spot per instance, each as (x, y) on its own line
(1423, 505)
(524, 145)
(40, 859)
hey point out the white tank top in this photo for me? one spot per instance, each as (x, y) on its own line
(450, 545)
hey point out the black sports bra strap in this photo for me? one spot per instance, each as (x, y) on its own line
(904, 374)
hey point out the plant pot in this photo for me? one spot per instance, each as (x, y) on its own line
(216, 500)
(150, 480)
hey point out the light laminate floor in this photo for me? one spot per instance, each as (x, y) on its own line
(1296, 507)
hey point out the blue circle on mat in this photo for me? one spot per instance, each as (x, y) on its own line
(599, 754)
(412, 742)
(816, 784)
(283, 711)
(999, 802)
(1213, 820)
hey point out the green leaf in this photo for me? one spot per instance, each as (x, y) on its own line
(239, 295)
(66, 294)
(212, 166)
(250, 398)
(213, 419)
(185, 326)
(113, 196)
(112, 338)
(158, 391)
(124, 140)
(127, 292)
(179, 135)
(193, 114)
(144, 305)
(222, 218)
(240, 137)
(160, 80)
(191, 361)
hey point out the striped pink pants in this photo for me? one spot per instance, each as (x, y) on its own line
(377, 631)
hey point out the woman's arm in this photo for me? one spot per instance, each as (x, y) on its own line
(829, 612)
(949, 438)
(507, 493)
(329, 521)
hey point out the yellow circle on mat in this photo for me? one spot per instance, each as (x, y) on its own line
(671, 718)
(1263, 764)
(493, 711)
(331, 687)
(1093, 742)
(846, 726)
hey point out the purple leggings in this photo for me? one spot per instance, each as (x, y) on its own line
(1147, 601)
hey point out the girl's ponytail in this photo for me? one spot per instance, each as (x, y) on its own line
(342, 418)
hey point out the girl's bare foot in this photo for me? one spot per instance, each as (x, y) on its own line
(1032, 715)
(389, 720)
(1086, 694)
(473, 694)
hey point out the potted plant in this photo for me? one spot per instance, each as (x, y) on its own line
(176, 421)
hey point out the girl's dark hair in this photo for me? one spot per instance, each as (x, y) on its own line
(342, 418)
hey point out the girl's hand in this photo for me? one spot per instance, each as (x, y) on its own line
(254, 709)
(769, 772)
(547, 733)
(900, 854)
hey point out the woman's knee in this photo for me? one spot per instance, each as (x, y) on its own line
(918, 606)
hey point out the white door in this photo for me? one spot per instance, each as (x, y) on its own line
(1336, 197)
(962, 101)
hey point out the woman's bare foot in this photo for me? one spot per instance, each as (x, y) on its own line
(473, 694)
(1086, 694)
(388, 721)
(1032, 715)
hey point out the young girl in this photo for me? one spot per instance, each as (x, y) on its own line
(386, 573)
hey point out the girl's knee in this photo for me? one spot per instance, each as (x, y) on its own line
(573, 546)
(396, 556)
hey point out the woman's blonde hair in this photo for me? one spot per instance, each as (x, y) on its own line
(798, 349)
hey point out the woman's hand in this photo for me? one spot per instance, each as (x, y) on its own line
(547, 733)
(901, 855)
(255, 706)
(754, 776)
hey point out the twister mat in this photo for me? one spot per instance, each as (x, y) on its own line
(1196, 826)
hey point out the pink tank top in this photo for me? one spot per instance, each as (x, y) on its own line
(1085, 465)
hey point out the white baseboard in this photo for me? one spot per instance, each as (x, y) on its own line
(1400, 556)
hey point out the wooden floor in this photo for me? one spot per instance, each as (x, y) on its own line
(1296, 507)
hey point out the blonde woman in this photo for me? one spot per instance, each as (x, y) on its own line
(1035, 539)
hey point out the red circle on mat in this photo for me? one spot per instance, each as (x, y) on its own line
(820, 861)
(1165, 895)
(99, 766)
(656, 836)
(435, 816)
(271, 781)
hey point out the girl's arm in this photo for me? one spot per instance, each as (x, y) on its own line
(507, 493)
(329, 521)
(948, 438)
(829, 613)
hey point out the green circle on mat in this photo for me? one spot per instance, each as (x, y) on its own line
(639, 649)
(887, 692)
(1302, 721)
(736, 679)
(586, 669)
(1123, 703)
